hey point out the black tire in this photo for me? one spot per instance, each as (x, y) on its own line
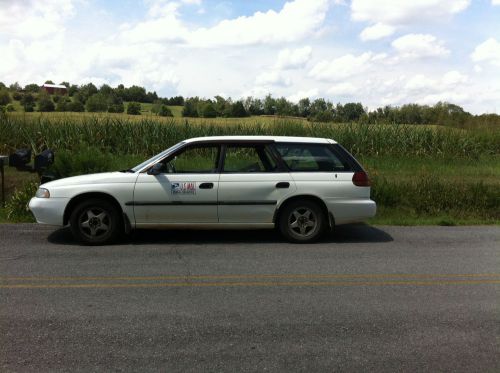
(96, 222)
(302, 221)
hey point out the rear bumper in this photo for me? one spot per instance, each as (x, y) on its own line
(48, 210)
(351, 211)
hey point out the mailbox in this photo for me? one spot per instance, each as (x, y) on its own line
(20, 158)
(44, 160)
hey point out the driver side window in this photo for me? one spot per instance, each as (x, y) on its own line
(193, 160)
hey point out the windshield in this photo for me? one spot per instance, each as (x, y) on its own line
(156, 157)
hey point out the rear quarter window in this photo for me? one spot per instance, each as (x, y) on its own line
(311, 158)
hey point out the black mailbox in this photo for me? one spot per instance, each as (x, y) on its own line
(44, 160)
(20, 158)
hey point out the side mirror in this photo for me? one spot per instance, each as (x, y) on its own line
(156, 169)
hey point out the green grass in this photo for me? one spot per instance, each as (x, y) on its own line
(391, 216)
(485, 168)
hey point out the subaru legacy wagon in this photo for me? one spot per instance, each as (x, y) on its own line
(301, 186)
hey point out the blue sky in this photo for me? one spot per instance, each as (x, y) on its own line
(383, 52)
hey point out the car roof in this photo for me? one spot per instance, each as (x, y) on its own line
(311, 140)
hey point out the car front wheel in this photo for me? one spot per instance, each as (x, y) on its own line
(302, 221)
(96, 222)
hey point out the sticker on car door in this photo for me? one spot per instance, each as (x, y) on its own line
(183, 188)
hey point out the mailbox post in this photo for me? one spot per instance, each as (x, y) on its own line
(3, 160)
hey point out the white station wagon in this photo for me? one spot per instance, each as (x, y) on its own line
(303, 186)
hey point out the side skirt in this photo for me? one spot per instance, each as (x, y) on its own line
(204, 225)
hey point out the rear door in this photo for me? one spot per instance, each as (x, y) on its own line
(319, 170)
(251, 183)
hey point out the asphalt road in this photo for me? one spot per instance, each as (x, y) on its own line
(364, 299)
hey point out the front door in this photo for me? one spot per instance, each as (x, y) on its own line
(251, 184)
(184, 192)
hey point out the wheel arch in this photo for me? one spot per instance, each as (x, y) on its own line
(308, 197)
(75, 200)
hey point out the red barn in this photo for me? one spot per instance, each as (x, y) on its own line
(55, 89)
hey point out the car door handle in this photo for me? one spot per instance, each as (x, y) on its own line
(206, 185)
(283, 184)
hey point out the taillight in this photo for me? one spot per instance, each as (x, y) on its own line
(361, 179)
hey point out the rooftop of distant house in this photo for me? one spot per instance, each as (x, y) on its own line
(59, 86)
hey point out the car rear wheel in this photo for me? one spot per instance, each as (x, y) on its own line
(302, 221)
(96, 222)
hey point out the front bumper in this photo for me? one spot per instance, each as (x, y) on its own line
(48, 210)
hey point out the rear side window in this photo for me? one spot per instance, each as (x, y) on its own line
(311, 158)
(244, 159)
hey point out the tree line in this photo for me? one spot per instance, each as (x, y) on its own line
(88, 97)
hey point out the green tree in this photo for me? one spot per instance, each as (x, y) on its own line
(190, 108)
(97, 103)
(15, 87)
(72, 89)
(352, 112)
(76, 106)
(254, 106)
(5, 97)
(269, 105)
(285, 107)
(165, 111)
(208, 110)
(106, 90)
(115, 103)
(134, 108)
(85, 91)
(222, 106)
(238, 110)
(63, 104)
(45, 103)
(28, 102)
(32, 88)
(304, 107)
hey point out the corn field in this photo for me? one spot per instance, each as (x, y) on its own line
(150, 135)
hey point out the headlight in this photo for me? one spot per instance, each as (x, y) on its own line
(42, 193)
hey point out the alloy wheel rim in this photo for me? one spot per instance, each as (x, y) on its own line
(302, 221)
(95, 222)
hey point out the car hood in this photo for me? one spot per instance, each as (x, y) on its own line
(101, 178)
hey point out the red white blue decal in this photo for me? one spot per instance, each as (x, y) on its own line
(184, 188)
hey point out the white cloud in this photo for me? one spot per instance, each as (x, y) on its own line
(454, 78)
(385, 16)
(450, 87)
(273, 78)
(310, 93)
(293, 58)
(377, 31)
(296, 20)
(419, 83)
(419, 45)
(396, 12)
(495, 2)
(343, 89)
(343, 67)
(34, 19)
(488, 51)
